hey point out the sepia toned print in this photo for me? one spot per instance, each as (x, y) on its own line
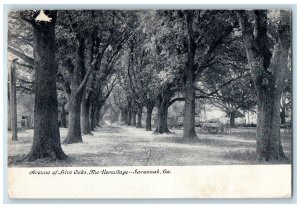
(155, 88)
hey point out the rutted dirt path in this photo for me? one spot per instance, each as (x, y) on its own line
(116, 145)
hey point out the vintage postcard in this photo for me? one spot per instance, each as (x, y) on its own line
(149, 103)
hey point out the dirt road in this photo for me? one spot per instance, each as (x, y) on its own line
(116, 145)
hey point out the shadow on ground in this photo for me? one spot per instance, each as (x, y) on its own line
(117, 145)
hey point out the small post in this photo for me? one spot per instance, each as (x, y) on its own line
(13, 101)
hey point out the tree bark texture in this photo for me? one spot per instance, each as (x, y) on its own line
(46, 140)
(268, 71)
(74, 127)
(189, 132)
(268, 145)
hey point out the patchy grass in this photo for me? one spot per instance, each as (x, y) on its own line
(246, 155)
(116, 145)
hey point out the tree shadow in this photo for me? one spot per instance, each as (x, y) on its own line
(109, 129)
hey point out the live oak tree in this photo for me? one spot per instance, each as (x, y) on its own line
(168, 64)
(199, 33)
(78, 72)
(212, 27)
(228, 82)
(97, 52)
(119, 99)
(165, 61)
(234, 98)
(99, 96)
(126, 61)
(46, 141)
(20, 40)
(268, 62)
(142, 75)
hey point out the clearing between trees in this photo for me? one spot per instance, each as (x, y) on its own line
(120, 145)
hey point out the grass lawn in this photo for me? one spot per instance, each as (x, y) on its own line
(116, 145)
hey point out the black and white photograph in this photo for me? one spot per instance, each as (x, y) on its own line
(149, 88)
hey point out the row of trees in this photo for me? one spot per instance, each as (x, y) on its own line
(142, 59)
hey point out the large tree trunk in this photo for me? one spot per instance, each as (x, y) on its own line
(268, 72)
(46, 140)
(268, 145)
(85, 119)
(86, 102)
(129, 115)
(63, 122)
(162, 113)
(91, 116)
(139, 117)
(189, 132)
(232, 120)
(149, 117)
(74, 127)
(13, 102)
(133, 118)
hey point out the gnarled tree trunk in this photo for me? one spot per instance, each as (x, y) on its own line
(269, 69)
(75, 97)
(268, 145)
(74, 127)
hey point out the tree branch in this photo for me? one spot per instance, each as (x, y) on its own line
(84, 81)
(24, 65)
(21, 55)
